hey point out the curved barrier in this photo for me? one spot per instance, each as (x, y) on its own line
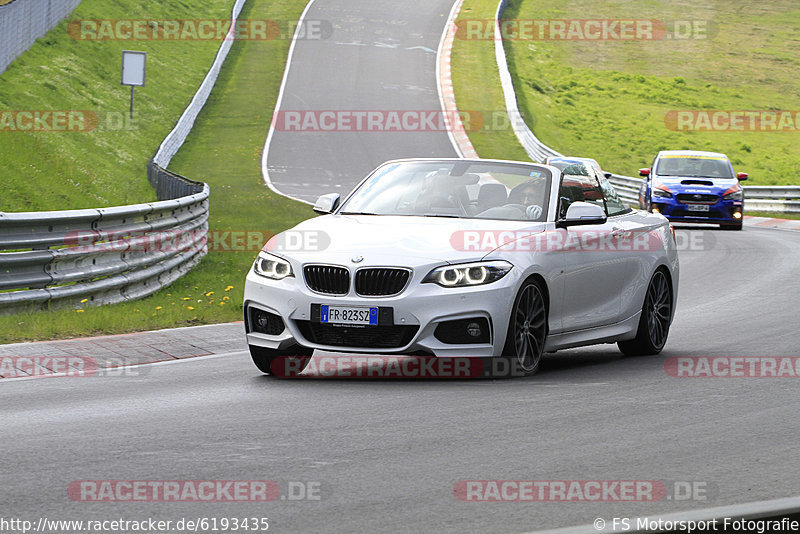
(103, 255)
(782, 199)
(77, 258)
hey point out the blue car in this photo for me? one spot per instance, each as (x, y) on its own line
(689, 186)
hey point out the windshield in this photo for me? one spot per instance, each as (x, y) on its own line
(448, 188)
(697, 167)
(575, 168)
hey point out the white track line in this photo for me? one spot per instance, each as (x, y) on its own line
(265, 153)
(439, 89)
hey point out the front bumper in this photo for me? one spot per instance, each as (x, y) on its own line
(721, 212)
(415, 315)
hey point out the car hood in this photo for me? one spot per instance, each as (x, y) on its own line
(694, 184)
(396, 240)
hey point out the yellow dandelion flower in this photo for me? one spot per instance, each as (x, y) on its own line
(158, 307)
(84, 300)
(78, 311)
(209, 293)
(226, 297)
(228, 288)
(189, 307)
(222, 304)
(187, 298)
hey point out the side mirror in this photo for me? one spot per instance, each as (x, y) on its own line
(742, 176)
(644, 172)
(608, 175)
(327, 203)
(580, 213)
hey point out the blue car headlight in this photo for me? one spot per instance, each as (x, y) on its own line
(660, 193)
(736, 195)
(272, 267)
(468, 274)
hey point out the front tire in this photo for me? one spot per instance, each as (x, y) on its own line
(731, 226)
(527, 330)
(281, 363)
(651, 336)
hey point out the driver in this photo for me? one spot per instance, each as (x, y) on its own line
(528, 193)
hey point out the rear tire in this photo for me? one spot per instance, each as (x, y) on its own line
(527, 330)
(282, 363)
(651, 336)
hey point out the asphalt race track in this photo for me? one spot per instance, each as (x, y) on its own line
(381, 57)
(386, 454)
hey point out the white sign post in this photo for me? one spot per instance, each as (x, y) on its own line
(133, 70)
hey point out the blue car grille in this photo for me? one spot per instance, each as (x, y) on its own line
(697, 198)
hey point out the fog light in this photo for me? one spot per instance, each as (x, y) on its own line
(464, 331)
(656, 210)
(265, 322)
(474, 329)
(737, 214)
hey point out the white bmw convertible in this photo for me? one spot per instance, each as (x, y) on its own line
(464, 258)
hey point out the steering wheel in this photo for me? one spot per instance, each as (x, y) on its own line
(533, 212)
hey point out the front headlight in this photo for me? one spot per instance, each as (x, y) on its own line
(273, 267)
(736, 195)
(661, 193)
(468, 274)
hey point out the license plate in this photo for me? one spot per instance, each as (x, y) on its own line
(348, 315)
(697, 207)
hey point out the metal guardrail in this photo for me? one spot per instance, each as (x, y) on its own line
(24, 21)
(781, 199)
(537, 150)
(77, 258)
(177, 136)
(103, 255)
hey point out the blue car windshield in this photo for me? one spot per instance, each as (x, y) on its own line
(454, 188)
(694, 167)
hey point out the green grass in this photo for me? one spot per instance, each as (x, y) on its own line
(105, 166)
(476, 84)
(223, 150)
(774, 215)
(608, 100)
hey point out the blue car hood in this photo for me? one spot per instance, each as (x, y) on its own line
(715, 186)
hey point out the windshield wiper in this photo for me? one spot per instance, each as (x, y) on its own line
(358, 213)
(442, 215)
